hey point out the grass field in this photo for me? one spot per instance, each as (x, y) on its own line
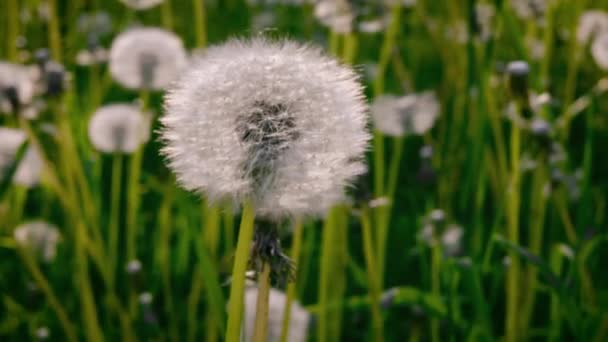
(482, 215)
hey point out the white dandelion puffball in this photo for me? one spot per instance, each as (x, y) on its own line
(40, 237)
(10, 141)
(17, 83)
(591, 23)
(29, 169)
(148, 58)
(335, 14)
(276, 122)
(119, 128)
(599, 50)
(298, 323)
(141, 4)
(411, 114)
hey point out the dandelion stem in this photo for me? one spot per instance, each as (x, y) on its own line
(235, 306)
(114, 213)
(329, 227)
(54, 35)
(200, 23)
(261, 314)
(291, 287)
(372, 277)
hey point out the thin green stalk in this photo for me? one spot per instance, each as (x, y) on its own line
(237, 287)
(329, 230)
(372, 277)
(200, 23)
(350, 48)
(167, 14)
(556, 261)
(114, 213)
(291, 287)
(54, 35)
(513, 205)
(54, 302)
(260, 331)
(192, 305)
(211, 236)
(12, 16)
(435, 288)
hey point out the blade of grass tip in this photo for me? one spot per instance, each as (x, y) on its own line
(45, 287)
(260, 331)
(237, 287)
(373, 280)
(291, 287)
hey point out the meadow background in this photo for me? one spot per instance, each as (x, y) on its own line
(490, 225)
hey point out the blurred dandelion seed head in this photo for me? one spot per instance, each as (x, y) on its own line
(338, 15)
(410, 114)
(591, 24)
(29, 169)
(10, 141)
(17, 84)
(299, 319)
(146, 58)
(39, 237)
(599, 50)
(277, 122)
(119, 128)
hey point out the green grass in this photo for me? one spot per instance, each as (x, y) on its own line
(111, 209)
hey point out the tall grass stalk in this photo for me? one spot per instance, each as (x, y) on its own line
(260, 331)
(296, 248)
(372, 276)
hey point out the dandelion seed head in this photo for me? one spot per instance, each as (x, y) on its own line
(43, 333)
(119, 128)
(141, 4)
(451, 240)
(299, 319)
(17, 84)
(145, 298)
(591, 23)
(148, 58)
(133, 266)
(277, 122)
(29, 169)
(336, 14)
(10, 141)
(40, 237)
(411, 114)
(599, 50)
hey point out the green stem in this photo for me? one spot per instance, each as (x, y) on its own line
(435, 287)
(260, 331)
(114, 213)
(329, 230)
(291, 287)
(193, 301)
(372, 277)
(555, 305)
(54, 35)
(513, 205)
(167, 15)
(237, 288)
(12, 16)
(200, 23)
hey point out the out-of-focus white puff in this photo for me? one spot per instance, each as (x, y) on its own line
(141, 4)
(274, 121)
(146, 58)
(298, 323)
(119, 128)
(410, 114)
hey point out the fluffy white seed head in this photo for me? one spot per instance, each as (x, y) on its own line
(29, 169)
(141, 4)
(149, 58)
(16, 81)
(276, 122)
(10, 141)
(299, 319)
(411, 114)
(40, 237)
(599, 50)
(119, 128)
(591, 23)
(336, 14)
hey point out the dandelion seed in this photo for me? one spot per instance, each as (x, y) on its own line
(299, 319)
(411, 114)
(17, 85)
(146, 58)
(43, 333)
(119, 128)
(145, 298)
(39, 237)
(275, 122)
(451, 240)
(599, 50)
(141, 4)
(133, 266)
(591, 23)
